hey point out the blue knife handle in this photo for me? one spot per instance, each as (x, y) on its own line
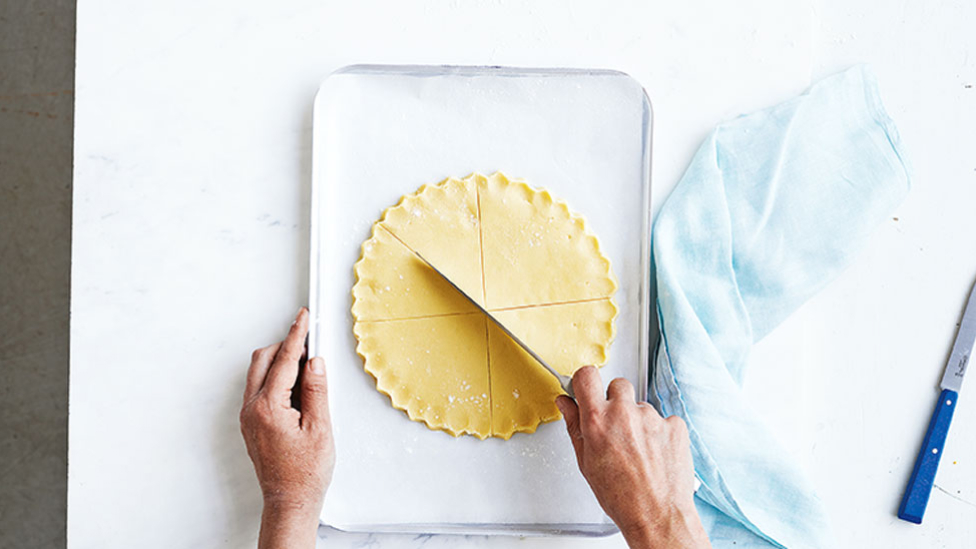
(920, 485)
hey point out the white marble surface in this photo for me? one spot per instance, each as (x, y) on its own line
(190, 234)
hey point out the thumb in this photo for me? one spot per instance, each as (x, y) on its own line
(570, 412)
(315, 395)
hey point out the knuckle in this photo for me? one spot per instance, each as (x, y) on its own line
(619, 404)
(654, 425)
(648, 413)
(315, 388)
(288, 355)
(257, 354)
(253, 416)
(633, 414)
(621, 383)
(263, 413)
(677, 425)
(296, 331)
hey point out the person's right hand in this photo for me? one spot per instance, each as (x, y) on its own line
(637, 463)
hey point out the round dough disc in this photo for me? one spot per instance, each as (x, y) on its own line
(518, 252)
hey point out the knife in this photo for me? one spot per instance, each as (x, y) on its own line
(566, 382)
(920, 484)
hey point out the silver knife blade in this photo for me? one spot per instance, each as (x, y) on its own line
(962, 348)
(565, 382)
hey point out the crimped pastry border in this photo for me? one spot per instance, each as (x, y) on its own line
(382, 378)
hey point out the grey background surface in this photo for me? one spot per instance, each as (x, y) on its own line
(36, 105)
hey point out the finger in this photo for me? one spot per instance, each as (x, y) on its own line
(621, 390)
(588, 388)
(258, 371)
(284, 369)
(315, 395)
(571, 414)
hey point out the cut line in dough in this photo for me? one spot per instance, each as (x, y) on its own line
(392, 282)
(491, 412)
(509, 246)
(441, 222)
(481, 247)
(429, 316)
(535, 250)
(517, 307)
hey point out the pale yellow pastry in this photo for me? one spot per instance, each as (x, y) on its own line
(522, 393)
(435, 369)
(394, 283)
(568, 336)
(528, 233)
(441, 223)
(510, 247)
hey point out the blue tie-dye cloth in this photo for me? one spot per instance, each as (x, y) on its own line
(774, 205)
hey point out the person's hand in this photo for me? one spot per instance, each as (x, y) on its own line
(637, 463)
(292, 449)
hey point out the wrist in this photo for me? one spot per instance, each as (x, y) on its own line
(290, 510)
(675, 528)
(288, 524)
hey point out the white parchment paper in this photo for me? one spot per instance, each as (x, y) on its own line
(380, 133)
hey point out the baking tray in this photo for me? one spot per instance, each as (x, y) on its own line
(381, 132)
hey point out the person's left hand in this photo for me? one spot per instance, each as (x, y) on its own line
(292, 450)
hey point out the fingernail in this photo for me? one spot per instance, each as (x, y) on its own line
(317, 365)
(560, 405)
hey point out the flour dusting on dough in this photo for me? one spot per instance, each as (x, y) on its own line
(520, 253)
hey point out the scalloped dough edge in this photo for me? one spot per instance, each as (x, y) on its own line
(529, 429)
(381, 223)
(385, 384)
(481, 180)
(576, 219)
